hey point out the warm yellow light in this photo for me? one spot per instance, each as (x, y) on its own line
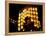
(30, 8)
(21, 24)
(36, 9)
(33, 9)
(22, 20)
(24, 10)
(18, 21)
(25, 13)
(38, 26)
(31, 16)
(37, 17)
(35, 25)
(37, 21)
(18, 25)
(19, 14)
(31, 12)
(22, 16)
(21, 27)
(22, 13)
(18, 29)
(28, 15)
(34, 12)
(34, 16)
(28, 12)
(19, 17)
(32, 20)
(25, 16)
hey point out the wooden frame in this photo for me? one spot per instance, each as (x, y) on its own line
(7, 17)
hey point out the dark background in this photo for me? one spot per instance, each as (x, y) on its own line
(15, 9)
